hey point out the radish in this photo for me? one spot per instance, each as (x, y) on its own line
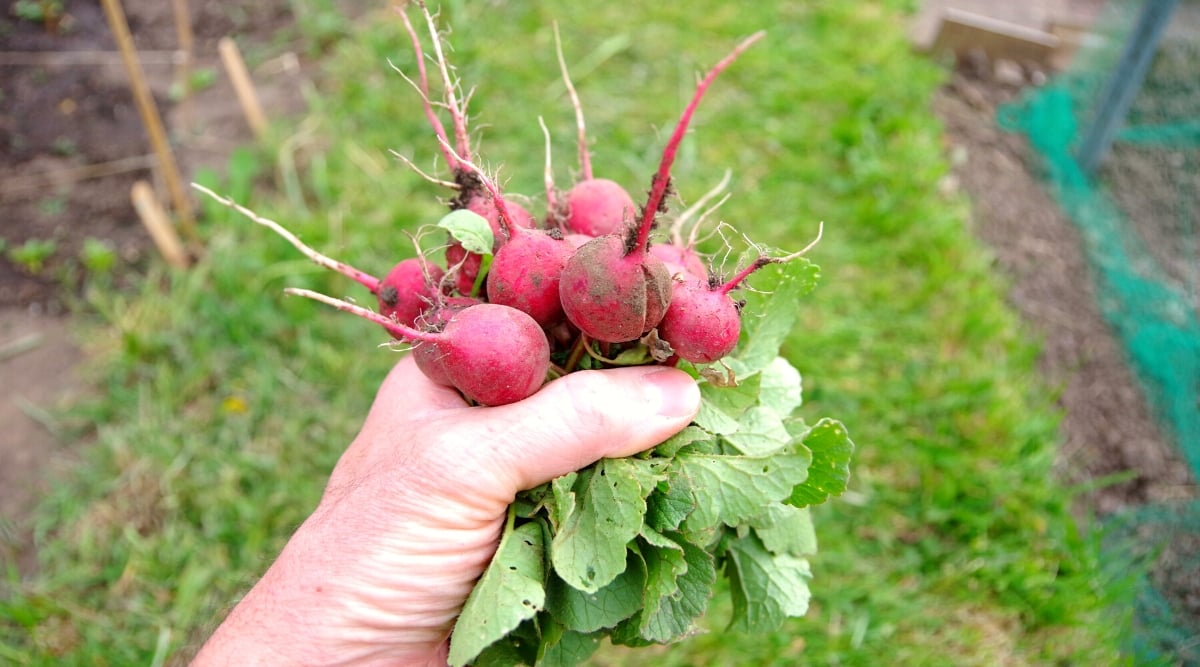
(680, 260)
(407, 290)
(703, 322)
(428, 356)
(599, 206)
(493, 354)
(612, 288)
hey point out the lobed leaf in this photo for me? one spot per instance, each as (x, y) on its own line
(563, 647)
(509, 592)
(785, 529)
(588, 612)
(608, 511)
(831, 449)
(767, 588)
(732, 489)
(780, 387)
(760, 432)
(670, 617)
(669, 504)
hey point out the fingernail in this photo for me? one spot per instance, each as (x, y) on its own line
(678, 395)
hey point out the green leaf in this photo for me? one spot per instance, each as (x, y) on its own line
(670, 617)
(732, 400)
(785, 529)
(588, 551)
(509, 592)
(470, 229)
(732, 489)
(713, 419)
(831, 449)
(776, 311)
(562, 647)
(669, 504)
(766, 588)
(680, 440)
(760, 433)
(501, 654)
(780, 387)
(665, 563)
(563, 504)
(721, 407)
(588, 612)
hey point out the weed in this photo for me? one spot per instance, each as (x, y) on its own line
(33, 254)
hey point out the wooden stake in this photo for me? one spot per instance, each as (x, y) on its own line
(183, 73)
(150, 117)
(235, 66)
(155, 220)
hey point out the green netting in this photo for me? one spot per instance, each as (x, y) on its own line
(1138, 216)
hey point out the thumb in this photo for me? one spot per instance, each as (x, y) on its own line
(585, 416)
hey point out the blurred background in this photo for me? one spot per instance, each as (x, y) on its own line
(1007, 320)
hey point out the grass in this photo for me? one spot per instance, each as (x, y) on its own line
(221, 406)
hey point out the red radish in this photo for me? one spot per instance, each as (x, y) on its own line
(471, 263)
(408, 290)
(493, 354)
(599, 206)
(525, 275)
(427, 355)
(614, 295)
(464, 266)
(680, 260)
(577, 240)
(612, 288)
(704, 322)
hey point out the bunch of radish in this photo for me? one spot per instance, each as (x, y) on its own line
(520, 300)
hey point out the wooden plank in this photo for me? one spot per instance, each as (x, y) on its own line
(961, 31)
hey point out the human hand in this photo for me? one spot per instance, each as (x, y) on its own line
(414, 510)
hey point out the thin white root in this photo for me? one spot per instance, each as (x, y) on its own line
(457, 113)
(585, 159)
(548, 174)
(676, 231)
(693, 235)
(805, 249)
(429, 177)
(347, 307)
(365, 279)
